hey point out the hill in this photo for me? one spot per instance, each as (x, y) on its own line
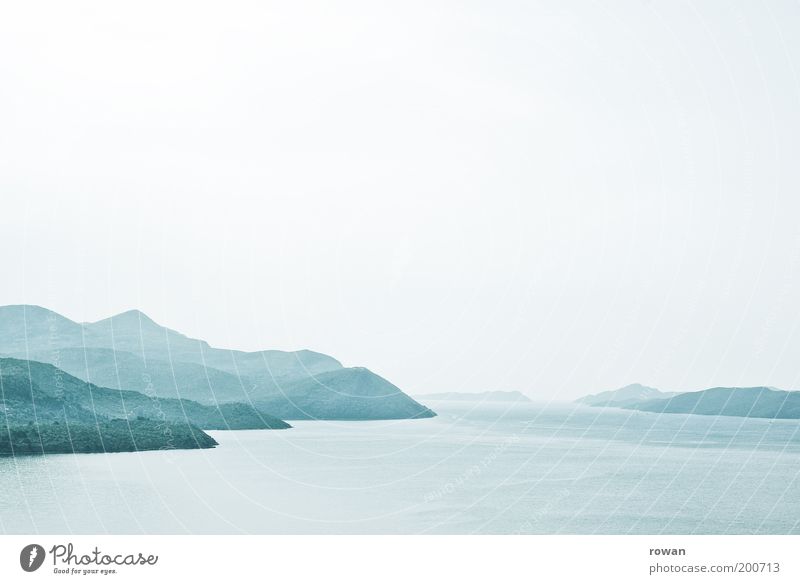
(27, 330)
(630, 394)
(44, 410)
(749, 402)
(130, 351)
(125, 370)
(345, 394)
(36, 392)
(104, 436)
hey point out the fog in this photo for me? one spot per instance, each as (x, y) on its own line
(548, 197)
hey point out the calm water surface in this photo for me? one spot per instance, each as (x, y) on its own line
(474, 469)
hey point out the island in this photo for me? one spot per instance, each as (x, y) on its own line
(483, 396)
(630, 394)
(745, 402)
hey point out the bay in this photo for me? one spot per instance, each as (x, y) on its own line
(476, 468)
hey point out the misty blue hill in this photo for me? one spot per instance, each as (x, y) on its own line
(748, 402)
(34, 392)
(484, 396)
(630, 394)
(135, 332)
(125, 370)
(130, 351)
(25, 330)
(346, 394)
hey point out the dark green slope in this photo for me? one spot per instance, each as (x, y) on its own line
(23, 402)
(50, 383)
(102, 436)
(39, 416)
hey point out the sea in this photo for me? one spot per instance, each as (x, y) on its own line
(476, 468)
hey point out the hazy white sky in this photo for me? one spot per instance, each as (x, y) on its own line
(554, 197)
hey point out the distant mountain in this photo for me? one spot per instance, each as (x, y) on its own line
(749, 402)
(346, 394)
(132, 352)
(630, 394)
(135, 332)
(34, 392)
(26, 330)
(484, 396)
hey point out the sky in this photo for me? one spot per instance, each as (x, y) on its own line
(556, 198)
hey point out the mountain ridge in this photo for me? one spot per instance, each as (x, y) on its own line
(627, 394)
(130, 350)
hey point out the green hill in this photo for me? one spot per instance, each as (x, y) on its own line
(104, 436)
(346, 394)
